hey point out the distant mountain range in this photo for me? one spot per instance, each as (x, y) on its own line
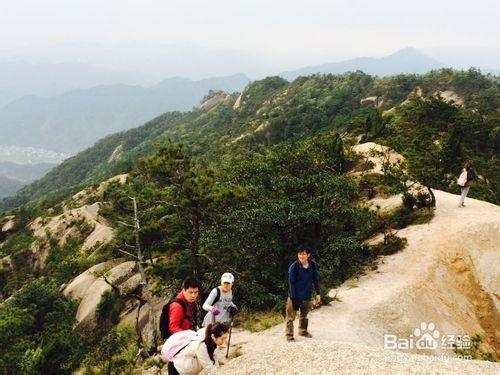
(71, 122)
(64, 121)
(21, 78)
(13, 176)
(407, 60)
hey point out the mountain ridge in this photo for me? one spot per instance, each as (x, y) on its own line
(406, 60)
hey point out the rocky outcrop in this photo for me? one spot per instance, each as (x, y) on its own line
(7, 224)
(61, 227)
(378, 155)
(213, 99)
(80, 197)
(91, 285)
(450, 96)
(237, 103)
(372, 101)
(115, 155)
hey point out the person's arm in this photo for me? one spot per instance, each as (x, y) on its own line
(292, 280)
(316, 278)
(210, 301)
(316, 282)
(204, 359)
(176, 317)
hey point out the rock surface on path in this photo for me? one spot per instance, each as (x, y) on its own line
(447, 275)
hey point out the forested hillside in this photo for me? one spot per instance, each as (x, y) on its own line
(236, 185)
(273, 110)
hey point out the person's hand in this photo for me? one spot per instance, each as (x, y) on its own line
(318, 299)
(232, 311)
(215, 311)
(295, 303)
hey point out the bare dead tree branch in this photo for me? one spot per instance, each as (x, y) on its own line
(152, 335)
(129, 254)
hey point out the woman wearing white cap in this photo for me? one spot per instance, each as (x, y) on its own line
(219, 303)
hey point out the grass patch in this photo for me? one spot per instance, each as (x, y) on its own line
(423, 215)
(391, 245)
(402, 217)
(258, 321)
(475, 349)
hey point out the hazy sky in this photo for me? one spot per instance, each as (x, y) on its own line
(287, 34)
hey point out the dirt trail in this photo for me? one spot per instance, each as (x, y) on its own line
(447, 275)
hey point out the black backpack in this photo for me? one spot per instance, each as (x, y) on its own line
(165, 318)
(471, 175)
(204, 297)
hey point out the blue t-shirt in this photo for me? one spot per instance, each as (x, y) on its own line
(301, 280)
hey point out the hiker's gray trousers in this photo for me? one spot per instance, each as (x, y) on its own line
(291, 314)
(465, 191)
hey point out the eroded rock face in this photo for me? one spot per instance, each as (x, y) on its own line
(216, 98)
(372, 101)
(90, 286)
(378, 154)
(79, 286)
(62, 227)
(115, 155)
(81, 196)
(450, 96)
(237, 103)
(7, 224)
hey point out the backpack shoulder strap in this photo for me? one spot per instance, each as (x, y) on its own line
(182, 303)
(217, 296)
(296, 268)
(314, 265)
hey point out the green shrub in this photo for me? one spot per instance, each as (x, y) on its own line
(476, 350)
(391, 245)
(409, 201)
(401, 217)
(114, 354)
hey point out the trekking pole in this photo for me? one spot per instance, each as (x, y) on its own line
(229, 339)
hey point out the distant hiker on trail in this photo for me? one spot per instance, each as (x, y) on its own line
(465, 180)
(302, 275)
(219, 303)
(181, 312)
(196, 353)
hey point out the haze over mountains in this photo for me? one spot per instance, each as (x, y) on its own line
(67, 107)
(407, 60)
(75, 120)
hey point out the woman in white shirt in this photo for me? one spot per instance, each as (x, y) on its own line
(199, 355)
(220, 309)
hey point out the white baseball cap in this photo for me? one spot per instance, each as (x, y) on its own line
(227, 278)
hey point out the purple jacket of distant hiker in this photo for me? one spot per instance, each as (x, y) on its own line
(302, 279)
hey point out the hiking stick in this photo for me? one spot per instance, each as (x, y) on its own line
(229, 339)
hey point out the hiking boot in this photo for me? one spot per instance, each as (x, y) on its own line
(306, 334)
(289, 338)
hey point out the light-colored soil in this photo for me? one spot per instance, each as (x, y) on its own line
(447, 275)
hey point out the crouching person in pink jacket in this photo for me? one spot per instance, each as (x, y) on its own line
(199, 355)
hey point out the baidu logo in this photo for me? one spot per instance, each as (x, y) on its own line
(426, 336)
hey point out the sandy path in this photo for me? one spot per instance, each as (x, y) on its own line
(448, 274)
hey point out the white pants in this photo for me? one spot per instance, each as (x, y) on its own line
(465, 191)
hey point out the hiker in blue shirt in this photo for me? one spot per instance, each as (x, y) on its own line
(302, 275)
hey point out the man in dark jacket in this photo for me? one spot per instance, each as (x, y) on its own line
(302, 275)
